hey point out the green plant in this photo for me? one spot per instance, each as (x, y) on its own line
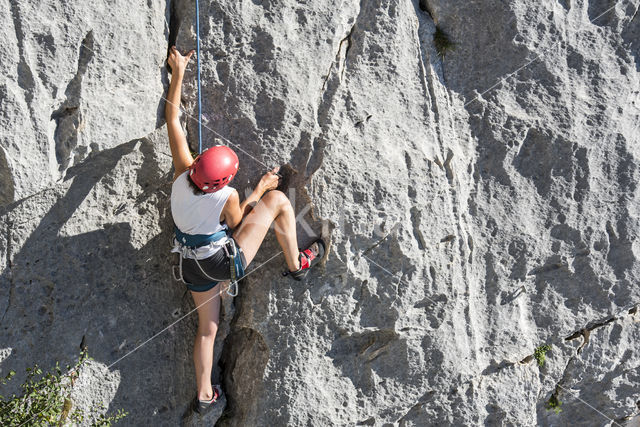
(540, 354)
(46, 399)
(554, 403)
(442, 42)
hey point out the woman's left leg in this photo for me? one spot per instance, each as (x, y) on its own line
(208, 306)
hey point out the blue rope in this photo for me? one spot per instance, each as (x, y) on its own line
(198, 61)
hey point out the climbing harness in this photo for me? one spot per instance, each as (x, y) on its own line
(198, 62)
(198, 240)
(187, 244)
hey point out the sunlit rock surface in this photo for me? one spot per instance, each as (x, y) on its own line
(480, 202)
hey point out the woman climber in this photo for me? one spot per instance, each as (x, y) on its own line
(205, 209)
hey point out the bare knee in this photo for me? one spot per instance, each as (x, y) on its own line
(278, 200)
(208, 331)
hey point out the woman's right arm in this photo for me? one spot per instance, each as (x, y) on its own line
(234, 211)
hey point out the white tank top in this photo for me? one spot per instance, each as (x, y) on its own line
(197, 213)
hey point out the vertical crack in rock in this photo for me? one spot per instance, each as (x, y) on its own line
(68, 117)
(243, 362)
(329, 89)
(245, 353)
(347, 39)
(174, 23)
(175, 20)
(340, 58)
(427, 77)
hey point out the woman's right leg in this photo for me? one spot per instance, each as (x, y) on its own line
(274, 206)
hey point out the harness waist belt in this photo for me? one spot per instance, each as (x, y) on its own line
(197, 240)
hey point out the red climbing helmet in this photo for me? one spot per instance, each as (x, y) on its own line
(214, 168)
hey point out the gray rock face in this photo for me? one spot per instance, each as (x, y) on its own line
(79, 77)
(478, 204)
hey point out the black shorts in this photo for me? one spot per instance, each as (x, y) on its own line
(216, 266)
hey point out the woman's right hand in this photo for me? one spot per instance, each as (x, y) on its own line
(269, 180)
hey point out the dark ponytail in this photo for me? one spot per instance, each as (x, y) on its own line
(194, 187)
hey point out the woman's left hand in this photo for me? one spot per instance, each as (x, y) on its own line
(176, 61)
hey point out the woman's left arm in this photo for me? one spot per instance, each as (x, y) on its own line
(177, 141)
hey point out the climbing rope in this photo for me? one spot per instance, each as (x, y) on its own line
(198, 62)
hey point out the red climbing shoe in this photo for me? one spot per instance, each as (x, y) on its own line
(203, 406)
(308, 258)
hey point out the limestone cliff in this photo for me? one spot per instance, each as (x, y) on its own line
(479, 193)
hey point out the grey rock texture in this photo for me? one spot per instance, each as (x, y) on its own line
(479, 204)
(101, 381)
(78, 77)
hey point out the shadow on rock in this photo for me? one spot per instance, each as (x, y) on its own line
(98, 285)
